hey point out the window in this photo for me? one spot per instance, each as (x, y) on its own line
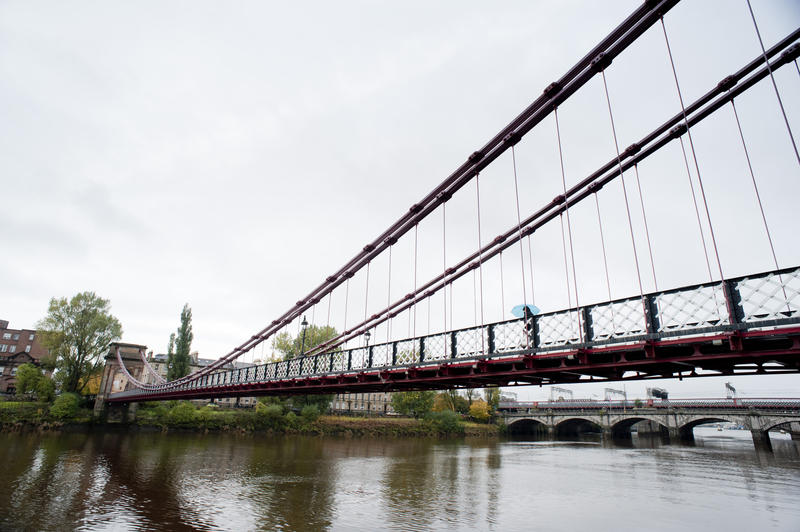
(13, 371)
(16, 336)
(3, 348)
(12, 348)
(6, 336)
(28, 348)
(30, 337)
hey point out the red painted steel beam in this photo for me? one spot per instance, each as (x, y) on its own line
(671, 358)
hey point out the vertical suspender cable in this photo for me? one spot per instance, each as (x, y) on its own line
(521, 253)
(313, 315)
(696, 210)
(346, 299)
(366, 303)
(366, 292)
(603, 245)
(416, 235)
(502, 290)
(624, 188)
(330, 296)
(694, 153)
(646, 227)
(444, 264)
(530, 265)
(389, 299)
(480, 256)
(774, 85)
(755, 186)
(566, 263)
(429, 316)
(760, 205)
(569, 225)
(475, 296)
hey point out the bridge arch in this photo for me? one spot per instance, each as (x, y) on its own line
(622, 427)
(776, 422)
(528, 426)
(686, 430)
(575, 426)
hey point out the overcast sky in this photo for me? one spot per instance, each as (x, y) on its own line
(231, 156)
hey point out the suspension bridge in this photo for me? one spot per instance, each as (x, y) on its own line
(722, 325)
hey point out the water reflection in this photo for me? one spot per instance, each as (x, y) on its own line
(109, 481)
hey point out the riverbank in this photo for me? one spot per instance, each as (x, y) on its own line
(185, 417)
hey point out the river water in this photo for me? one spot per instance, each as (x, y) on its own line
(141, 481)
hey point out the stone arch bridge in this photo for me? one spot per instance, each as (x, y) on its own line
(673, 419)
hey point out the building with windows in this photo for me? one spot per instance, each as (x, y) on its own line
(17, 347)
(159, 364)
(373, 403)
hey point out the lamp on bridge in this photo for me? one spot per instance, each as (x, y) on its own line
(366, 337)
(304, 325)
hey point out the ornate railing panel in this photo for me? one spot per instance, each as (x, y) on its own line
(755, 301)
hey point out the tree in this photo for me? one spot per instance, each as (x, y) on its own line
(178, 362)
(291, 347)
(450, 400)
(28, 377)
(416, 404)
(470, 396)
(77, 333)
(479, 410)
(492, 396)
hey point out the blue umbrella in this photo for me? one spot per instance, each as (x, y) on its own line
(519, 310)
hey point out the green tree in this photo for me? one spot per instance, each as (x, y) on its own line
(492, 396)
(45, 389)
(178, 362)
(450, 400)
(65, 406)
(28, 377)
(291, 347)
(416, 404)
(77, 333)
(479, 410)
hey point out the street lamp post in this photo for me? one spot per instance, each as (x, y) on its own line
(304, 325)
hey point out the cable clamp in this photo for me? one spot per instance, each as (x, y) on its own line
(727, 83)
(601, 62)
(677, 131)
(552, 89)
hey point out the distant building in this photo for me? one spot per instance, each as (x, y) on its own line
(362, 403)
(17, 347)
(159, 364)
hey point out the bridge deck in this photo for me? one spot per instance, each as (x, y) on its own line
(744, 325)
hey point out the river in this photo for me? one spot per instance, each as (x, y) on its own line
(154, 481)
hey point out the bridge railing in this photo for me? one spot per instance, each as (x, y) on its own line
(762, 403)
(770, 299)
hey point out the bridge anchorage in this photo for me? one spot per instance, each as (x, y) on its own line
(725, 325)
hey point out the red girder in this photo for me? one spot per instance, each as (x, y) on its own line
(723, 353)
